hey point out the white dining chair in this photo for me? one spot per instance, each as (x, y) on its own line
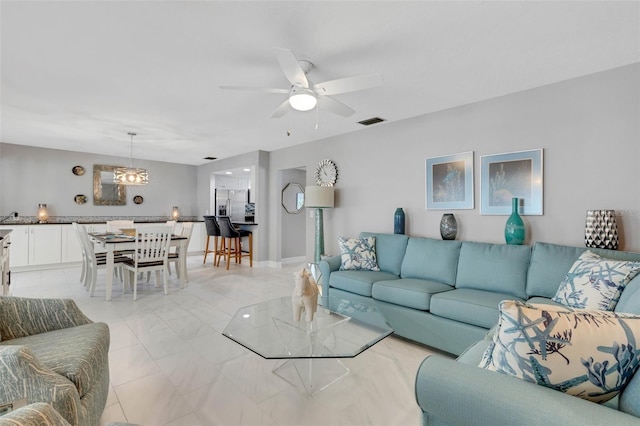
(94, 261)
(174, 256)
(151, 254)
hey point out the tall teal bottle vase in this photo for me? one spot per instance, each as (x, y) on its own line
(514, 231)
(319, 248)
(398, 221)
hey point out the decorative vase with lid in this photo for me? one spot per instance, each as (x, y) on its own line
(514, 231)
(448, 227)
(398, 221)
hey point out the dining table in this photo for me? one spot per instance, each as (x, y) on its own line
(112, 242)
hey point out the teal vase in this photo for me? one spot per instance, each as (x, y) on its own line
(514, 228)
(398, 221)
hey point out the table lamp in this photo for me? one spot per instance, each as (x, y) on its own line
(318, 197)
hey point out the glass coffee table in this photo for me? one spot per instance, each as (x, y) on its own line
(310, 351)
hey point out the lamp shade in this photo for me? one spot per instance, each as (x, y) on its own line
(318, 197)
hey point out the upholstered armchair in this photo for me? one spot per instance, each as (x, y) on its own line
(51, 352)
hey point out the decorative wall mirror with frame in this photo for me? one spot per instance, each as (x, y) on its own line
(293, 198)
(105, 191)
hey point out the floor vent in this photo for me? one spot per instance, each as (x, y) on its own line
(371, 121)
(210, 158)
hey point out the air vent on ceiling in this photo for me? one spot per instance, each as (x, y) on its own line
(371, 121)
(210, 158)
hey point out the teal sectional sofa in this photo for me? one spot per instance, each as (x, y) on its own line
(445, 294)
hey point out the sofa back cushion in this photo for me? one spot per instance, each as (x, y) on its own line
(390, 250)
(551, 262)
(499, 268)
(630, 298)
(431, 259)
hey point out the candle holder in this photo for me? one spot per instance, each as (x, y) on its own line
(43, 214)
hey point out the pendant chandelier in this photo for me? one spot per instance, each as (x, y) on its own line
(130, 175)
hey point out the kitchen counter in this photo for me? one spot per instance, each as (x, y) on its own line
(85, 220)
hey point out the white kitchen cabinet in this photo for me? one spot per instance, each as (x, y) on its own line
(19, 245)
(33, 245)
(71, 249)
(45, 244)
(198, 238)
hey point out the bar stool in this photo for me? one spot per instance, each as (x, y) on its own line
(234, 236)
(213, 230)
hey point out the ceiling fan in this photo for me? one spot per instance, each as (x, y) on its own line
(305, 95)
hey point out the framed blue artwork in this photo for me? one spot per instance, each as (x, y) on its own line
(449, 182)
(511, 175)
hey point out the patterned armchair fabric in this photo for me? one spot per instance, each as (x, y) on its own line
(36, 414)
(51, 352)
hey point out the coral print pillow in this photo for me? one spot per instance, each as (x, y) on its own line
(590, 354)
(358, 254)
(594, 282)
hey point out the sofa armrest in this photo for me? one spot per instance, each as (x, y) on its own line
(327, 266)
(21, 317)
(36, 414)
(24, 376)
(450, 392)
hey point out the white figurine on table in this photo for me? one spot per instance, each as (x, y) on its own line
(305, 295)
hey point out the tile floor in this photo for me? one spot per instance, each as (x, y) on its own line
(170, 364)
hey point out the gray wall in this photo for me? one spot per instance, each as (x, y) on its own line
(588, 128)
(30, 175)
(293, 226)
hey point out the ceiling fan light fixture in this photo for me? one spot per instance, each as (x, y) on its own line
(302, 99)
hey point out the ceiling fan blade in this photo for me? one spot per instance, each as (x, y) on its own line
(284, 108)
(348, 84)
(255, 89)
(291, 68)
(329, 104)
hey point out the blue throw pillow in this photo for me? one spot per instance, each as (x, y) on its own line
(594, 282)
(358, 254)
(591, 354)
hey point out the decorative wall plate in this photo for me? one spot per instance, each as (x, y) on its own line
(138, 199)
(80, 199)
(78, 170)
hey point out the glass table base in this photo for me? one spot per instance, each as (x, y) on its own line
(311, 374)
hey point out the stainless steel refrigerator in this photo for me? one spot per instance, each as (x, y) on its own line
(231, 202)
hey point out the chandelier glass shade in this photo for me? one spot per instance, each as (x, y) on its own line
(130, 175)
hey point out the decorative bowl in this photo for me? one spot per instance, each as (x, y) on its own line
(130, 232)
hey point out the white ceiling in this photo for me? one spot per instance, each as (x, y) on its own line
(79, 75)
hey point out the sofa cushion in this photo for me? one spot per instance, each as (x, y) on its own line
(410, 292)
(591, 354)
(550, 263)
(358, 254)
(358, 282)
(475, 307)
(77, 353)
(594, 282)
(498, 268)
(390, 250)
(630, 398)
(431, 259)
(630, 298)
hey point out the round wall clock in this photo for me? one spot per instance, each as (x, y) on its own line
(326, 173)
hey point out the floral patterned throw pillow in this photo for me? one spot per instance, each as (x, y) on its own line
(358, 254)
(591, 354)
(594, 282)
